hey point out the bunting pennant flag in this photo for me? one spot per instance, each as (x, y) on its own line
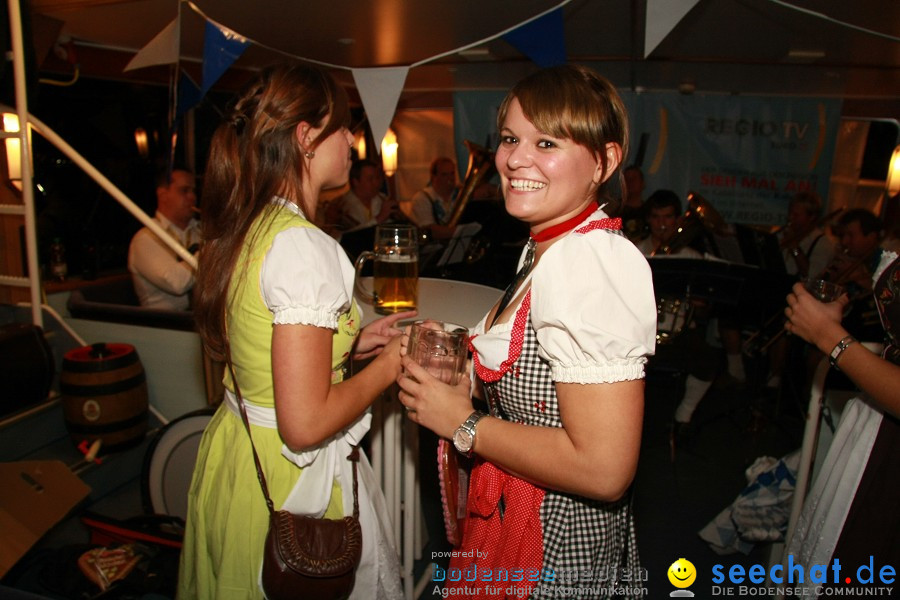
(379, 90)
(542, 40)
(162, 49)
(662, 17)
(189, 95)
(221, 47)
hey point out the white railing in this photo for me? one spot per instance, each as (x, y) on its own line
(26, 121)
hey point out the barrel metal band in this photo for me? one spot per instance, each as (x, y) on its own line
(139, 419)
(104, 389)
(99, 366)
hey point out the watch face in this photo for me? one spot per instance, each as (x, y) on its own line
(462, 439)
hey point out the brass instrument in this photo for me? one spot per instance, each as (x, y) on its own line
(840, 269)
(762, 339)
(674, 314)
(834, 273)
(700, 215)
(481, 166)
(792, 238)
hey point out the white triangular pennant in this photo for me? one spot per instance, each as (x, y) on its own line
(162, 50)
(662, 17)
(379, 90)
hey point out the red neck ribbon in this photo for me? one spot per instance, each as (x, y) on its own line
(565, 226)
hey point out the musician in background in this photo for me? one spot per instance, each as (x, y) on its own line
(688, 351)
(807, 250)
(431, 207)
(364, 205)
(859, 232)
(663, 209)
(161, 279)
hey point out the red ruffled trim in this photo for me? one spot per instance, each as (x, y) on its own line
(601, 224)
(518, 331)
(515, 346)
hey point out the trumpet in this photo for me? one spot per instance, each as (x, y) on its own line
(699, 215)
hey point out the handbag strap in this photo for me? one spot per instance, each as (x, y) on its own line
(354, 453)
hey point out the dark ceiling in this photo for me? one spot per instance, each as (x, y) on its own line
(844, 49)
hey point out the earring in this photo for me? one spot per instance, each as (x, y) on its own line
(309, 154)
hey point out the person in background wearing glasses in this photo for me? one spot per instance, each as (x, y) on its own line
(431, 207)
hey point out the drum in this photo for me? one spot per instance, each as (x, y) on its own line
(672, 316)
(169, 464)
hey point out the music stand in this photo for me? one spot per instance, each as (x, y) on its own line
(761, 249)
(716, 281)
(455, 251)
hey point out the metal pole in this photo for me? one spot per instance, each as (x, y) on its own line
(112, 190)
(18, 55)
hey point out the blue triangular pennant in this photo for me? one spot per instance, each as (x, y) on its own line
(542, 40)
(221, 47)
(189, 95)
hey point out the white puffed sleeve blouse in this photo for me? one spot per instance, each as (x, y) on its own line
(306, 277)
(592, 308)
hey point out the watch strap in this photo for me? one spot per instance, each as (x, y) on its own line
(469, 426)
(839, 348)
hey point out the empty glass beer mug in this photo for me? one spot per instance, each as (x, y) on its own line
(396, 269)
(442, 348)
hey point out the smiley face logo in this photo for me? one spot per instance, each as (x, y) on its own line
(682, 573)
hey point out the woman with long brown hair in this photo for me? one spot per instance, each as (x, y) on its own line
(274, 296)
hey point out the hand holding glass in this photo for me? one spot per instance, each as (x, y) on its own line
(441, 348)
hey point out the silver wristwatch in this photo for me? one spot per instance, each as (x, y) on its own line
(464, 437)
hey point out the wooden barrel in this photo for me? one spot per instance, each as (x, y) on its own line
(104, 393)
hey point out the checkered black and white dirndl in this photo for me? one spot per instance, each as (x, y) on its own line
(582, 538)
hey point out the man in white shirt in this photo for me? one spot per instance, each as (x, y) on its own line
(364, 205)
(431, 208)
(807, 250)
(663, 208)
(686, 350)
(161, 279)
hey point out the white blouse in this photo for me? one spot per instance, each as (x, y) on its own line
(592, 307)
(306, 277)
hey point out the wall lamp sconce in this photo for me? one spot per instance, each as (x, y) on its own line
(892, 185)
(143, 144)
(359, 141)
(389, 153)
(13, 150)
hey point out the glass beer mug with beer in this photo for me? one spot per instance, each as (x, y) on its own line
(396, 269)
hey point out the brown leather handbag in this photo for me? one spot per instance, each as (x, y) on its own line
(306, 557)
